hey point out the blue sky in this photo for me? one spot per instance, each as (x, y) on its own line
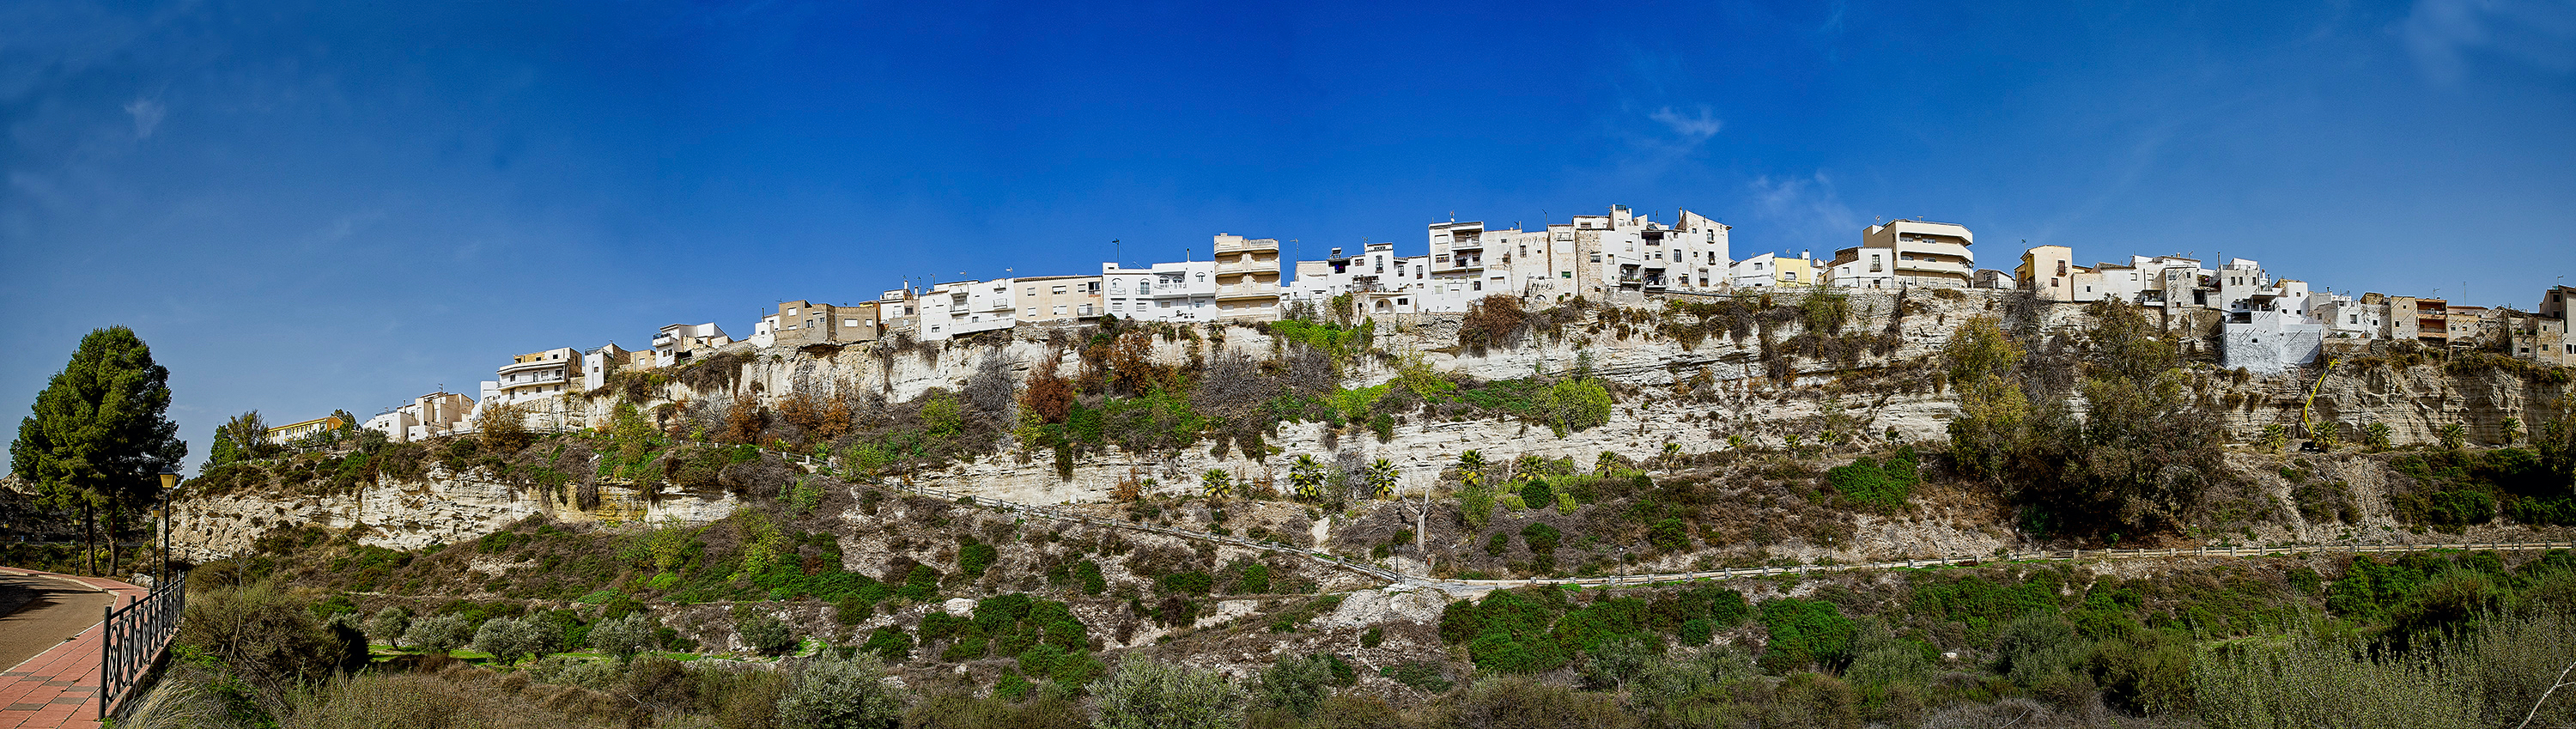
(308, 207)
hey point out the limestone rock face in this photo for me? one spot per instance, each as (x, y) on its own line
(442, 508)
(1389, 605)
(1700, 395)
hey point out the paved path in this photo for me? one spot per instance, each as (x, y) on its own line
(53, 682)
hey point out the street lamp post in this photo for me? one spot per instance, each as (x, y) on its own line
(169, 482)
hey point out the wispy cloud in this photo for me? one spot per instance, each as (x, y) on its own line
(1806, 207)
(2443, 34)
(1693, 128)
(147, 115)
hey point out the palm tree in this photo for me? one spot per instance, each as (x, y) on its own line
(1471, 467)
(1380, 479)
(1306, 477)
(1217, 483)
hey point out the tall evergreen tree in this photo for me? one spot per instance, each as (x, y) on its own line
(99, 434)
(242, 438)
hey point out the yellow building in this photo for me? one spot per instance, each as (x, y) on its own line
(292, 431)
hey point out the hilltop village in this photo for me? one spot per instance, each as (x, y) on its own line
(2258, 321)
(1608, 466)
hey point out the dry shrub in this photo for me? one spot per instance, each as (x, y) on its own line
(720, 371)
(1131, 367)
(1496, 321)
(268, 639)
(816, 418)
(743, 421)
(503, 428)
(1049, 395)
(1518, 702)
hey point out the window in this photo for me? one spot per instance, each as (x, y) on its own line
(1032, 291)
(1058, 290)
(1596, 258)
(791, 311)
(1059, 311)
(849, 322)
(1874, 265)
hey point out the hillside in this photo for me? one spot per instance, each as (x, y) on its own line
(764, 490)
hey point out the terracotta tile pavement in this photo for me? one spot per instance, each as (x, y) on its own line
(59, 688)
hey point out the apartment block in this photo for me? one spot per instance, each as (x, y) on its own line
(535, 376)
(1247, 278)
(1915, 253)
(1161, 292)
(291, 431)
(1060, 298)
(801, 323)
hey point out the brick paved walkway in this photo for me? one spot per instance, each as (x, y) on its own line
(59, 688)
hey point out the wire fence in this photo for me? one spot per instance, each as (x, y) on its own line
(135, 636)
(1729, 573)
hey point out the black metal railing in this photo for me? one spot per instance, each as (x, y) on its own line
(135, 637)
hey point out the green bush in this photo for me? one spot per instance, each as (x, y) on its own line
(830, 692)
(766, 635)
(1144, 693)
(1669, 535)
(1295, 684)
(1805, 633)
(974, 557)
(889, 644)
(440, 633)
(626, 636)
(1879, 486)
(1536, 493)
(511, 640)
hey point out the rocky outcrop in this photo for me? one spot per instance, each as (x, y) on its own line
(442, 508)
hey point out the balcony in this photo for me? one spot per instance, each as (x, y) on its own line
(508, 385)
(1247, 291)
(1248, 245)
(539, 365)
(1248, 265)
(1922, 267)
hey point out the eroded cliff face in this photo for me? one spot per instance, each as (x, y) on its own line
(442, 508)
(1706, 395)
(1697, 396)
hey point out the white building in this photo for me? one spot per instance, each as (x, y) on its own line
(959, 308)
(1771, 269)
(597, 363)
(536, 376)
(1161, 292)
(1908, 253)
(678, 342)
(425, 417)
(2269, 342)
(2346, 318)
